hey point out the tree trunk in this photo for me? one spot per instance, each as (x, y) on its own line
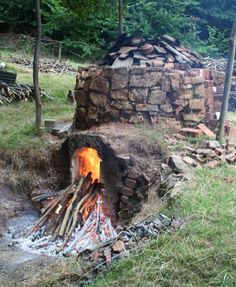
(38, 104)
(120, 17)
(228, 77)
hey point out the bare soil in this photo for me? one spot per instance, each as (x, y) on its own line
(11, 205)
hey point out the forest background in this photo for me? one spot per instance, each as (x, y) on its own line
(89, 27)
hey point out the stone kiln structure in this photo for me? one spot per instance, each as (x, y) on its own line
(145, 94)
(108, 101)
(126, 167)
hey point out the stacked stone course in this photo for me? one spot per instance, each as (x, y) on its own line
(137, 95)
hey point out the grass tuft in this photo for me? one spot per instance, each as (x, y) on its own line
(17, 119)
(203, 253)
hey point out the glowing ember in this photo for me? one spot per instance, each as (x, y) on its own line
(89, 161)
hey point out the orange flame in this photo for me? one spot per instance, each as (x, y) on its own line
(89, 205)
(89, 161)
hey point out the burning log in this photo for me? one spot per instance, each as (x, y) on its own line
(77, 209)
(69, 208)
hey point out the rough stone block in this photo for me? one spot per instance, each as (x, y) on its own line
(125, 115)
(209, 96)
(136, 118)
(187, 87)
(218, 77)
(180, 102)
(124, 206)
(176, 80)
(197, 104)
(193, 117)
(81, 98)
(167, 108)
(133, 173)
(199, 91)
(175, 84)
(121, 105)
(166, 83)
(124, 199)
(197, 80)
(130, 183)
(108, 167)
(157, 97)
(120, 94)
(138, 95)
(137, 70)
(119, 79)
(146, 80)
(98, 99)
(146, 108)
(186, 94)
(80, 83)
(127, 192)
(99, 84)
(92, 113)
(187, 80)
(110, 114)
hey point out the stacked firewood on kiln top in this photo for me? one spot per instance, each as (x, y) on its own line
(164, 51)
(72, 221)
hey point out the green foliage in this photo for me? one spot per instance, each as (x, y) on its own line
(87, 27)
(16, 15)
(154, 18)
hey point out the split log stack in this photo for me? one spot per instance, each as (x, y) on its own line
(164, 51)
(17, 92)
(45, 66)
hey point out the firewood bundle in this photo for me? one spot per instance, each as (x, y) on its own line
(70, 210)
(164, 51)
(17, 92)
(46, 65)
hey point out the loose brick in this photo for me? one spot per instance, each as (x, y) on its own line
(212, 164)
(206, 131)
(191, 132)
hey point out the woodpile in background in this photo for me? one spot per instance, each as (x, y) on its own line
(45, 66)
(164, 51)
(217, 64)
(17, 92)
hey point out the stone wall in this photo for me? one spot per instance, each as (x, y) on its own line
(138, 94)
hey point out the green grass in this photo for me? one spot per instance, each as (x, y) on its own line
(17, 119)
(202, 253)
